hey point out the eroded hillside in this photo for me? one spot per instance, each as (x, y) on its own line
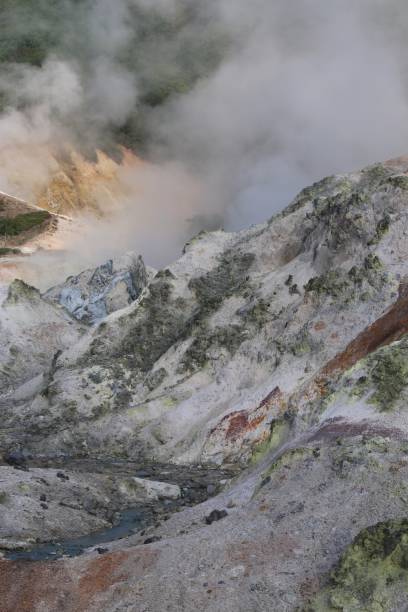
(272, 361)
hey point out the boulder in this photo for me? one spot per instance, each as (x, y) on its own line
(151, 490)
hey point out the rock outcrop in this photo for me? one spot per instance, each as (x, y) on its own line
(280, 351)
(33, 334)
(94, 294)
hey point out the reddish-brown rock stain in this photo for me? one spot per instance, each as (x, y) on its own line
(100, 575)
(388, 328)
(254, 554)
(71, 585)
(237, 424)
(240, 424)
(32, 587)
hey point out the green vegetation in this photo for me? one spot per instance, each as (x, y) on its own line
(287, 459)
(162, 319)
(160, 322)
(29, 29)
(332, 283)
(302, 343)
(344, 216)
(326, 187)
(256, 313)
(383, 226)
(197, 355)
(374, 175)
(381, 229)
(344, 209)
(20, 291)
(400, 181)
(389, 375)
(4, 251)
(347, 286)
(228, 278)
(384, 374)
(371, 572)
(13, 226)
(155, 379)
(280, 429)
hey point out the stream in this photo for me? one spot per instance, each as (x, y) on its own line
(130, 521)
(196, 483)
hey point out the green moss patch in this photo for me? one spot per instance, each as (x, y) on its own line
(381, 229)
(400, 181)
(389, 376)
(372, 575)
(328, 186)
(333, 283)
(357, 283)
(279, 434)
(228, 278)
(197, 355)
(160, 322)
(383, 376)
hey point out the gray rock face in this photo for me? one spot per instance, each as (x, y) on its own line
(95, 293)
(32, 332)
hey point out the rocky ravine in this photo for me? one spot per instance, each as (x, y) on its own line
(280, 351)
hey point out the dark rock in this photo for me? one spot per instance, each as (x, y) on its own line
(62, 476)
(102, 551)
(152, 540)
(296, 507)
(143, 474)
(215, 515)
(17, 459)
(294, 290)
(44, 506)
(43, 498)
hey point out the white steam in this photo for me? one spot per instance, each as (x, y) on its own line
(313, 88)
(306, 88)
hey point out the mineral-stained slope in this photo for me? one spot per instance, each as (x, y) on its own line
(282, 350)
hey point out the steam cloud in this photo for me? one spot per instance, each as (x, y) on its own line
(305, 89)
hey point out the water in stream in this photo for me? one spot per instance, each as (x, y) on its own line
(130, 521)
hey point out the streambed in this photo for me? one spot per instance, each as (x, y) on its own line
(196, 485)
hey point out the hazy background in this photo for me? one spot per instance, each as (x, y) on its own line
(238, 104)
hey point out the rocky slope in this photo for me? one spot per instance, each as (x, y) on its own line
(281, 351)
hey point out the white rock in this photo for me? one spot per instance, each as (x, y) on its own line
(158, 490)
